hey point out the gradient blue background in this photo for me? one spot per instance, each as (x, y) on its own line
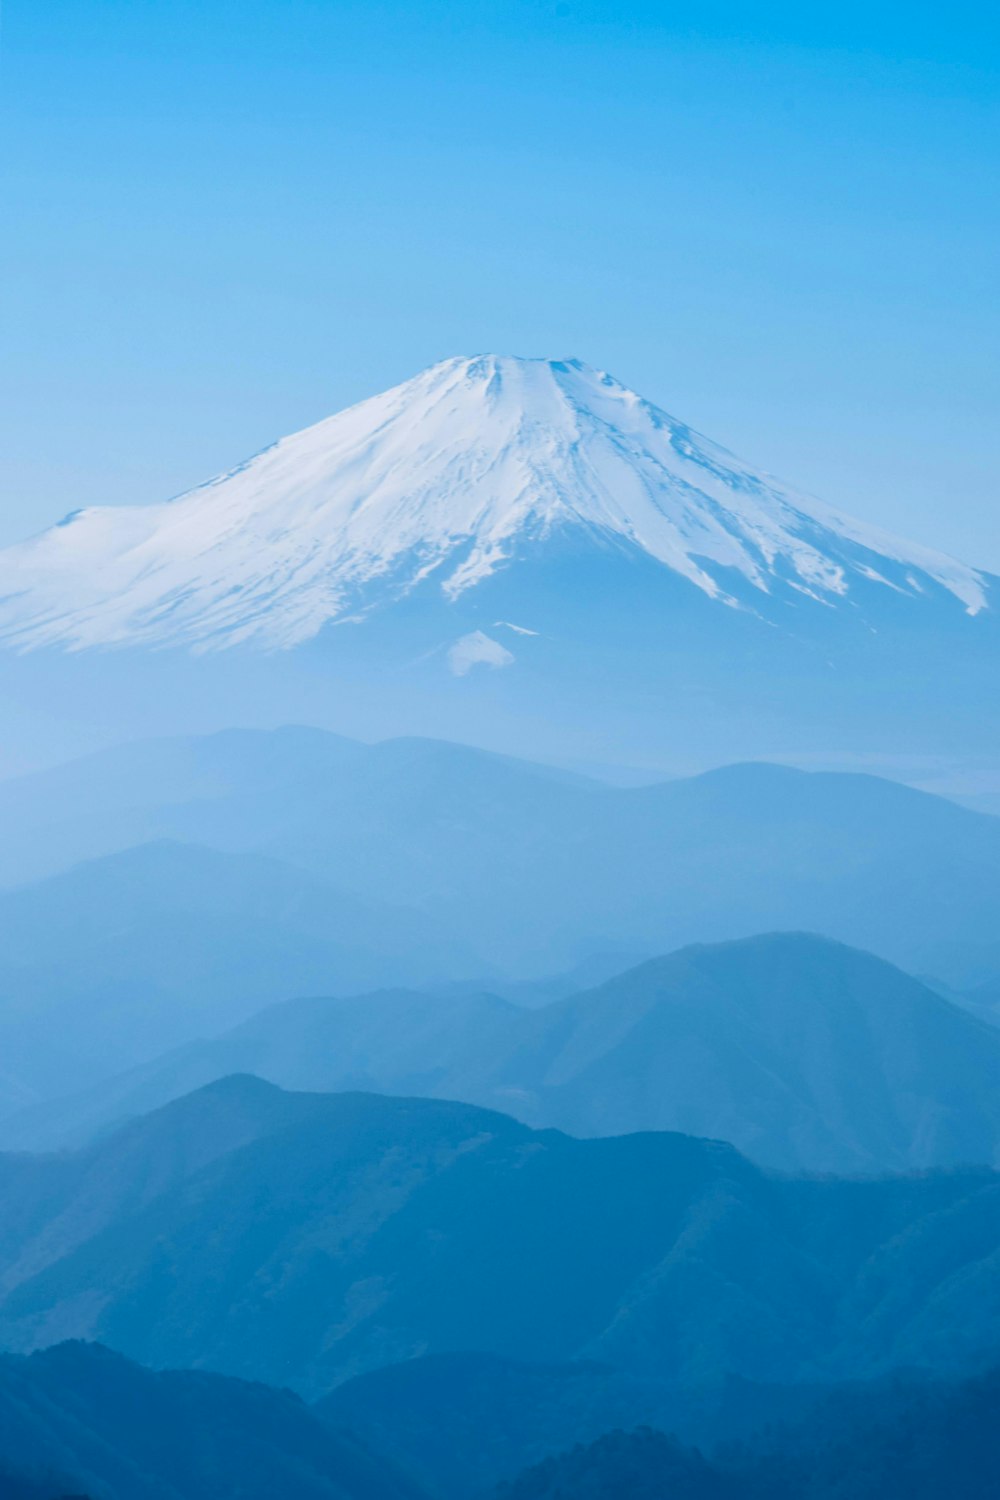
(225, 220)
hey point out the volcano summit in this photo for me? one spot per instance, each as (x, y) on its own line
(536, 516)
(448, 479)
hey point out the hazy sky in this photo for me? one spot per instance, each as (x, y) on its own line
(225, 219)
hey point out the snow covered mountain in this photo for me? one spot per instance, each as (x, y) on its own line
(520, 554)
(437, 486)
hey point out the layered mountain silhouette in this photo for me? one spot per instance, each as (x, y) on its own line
(302, 1238)
(259, 988)
(803, 1053)
(523, 550)
(531, 869)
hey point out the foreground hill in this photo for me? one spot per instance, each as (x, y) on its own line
(328, 1235)
(78, 1419)
(805, 1054)
(529, 870)
(917, 1442)
(118, 1432)
(645, 1465)
(463, 1422)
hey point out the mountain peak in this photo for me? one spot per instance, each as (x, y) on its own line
(442, 482)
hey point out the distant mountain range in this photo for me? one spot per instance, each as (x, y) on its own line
(175, 887)
(301, 1239)
(526, 869)
(804, 1054)
(521, 551)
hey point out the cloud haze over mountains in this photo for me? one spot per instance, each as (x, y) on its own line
(530, 868)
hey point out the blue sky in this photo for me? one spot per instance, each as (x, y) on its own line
(225, 220)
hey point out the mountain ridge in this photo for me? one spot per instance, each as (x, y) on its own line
(340, 1233)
